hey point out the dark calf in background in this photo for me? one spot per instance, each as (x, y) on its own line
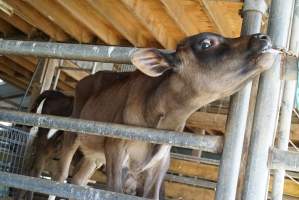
(45, 149)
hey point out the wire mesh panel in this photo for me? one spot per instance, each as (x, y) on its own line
(13, 147)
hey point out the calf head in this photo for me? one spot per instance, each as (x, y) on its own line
(211, 65)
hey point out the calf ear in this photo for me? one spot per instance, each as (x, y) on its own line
(153, 62)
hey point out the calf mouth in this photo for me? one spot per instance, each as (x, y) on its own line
(265, 59)
(270, 50)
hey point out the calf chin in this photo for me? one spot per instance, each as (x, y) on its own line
(266, 60)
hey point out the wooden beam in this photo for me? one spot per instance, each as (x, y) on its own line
(18, 23)
(33, 17)
(7, 29)
(189, 16)
(64, 87)
(13, 74)
(82, 11)
(49, 73)
(67, 80)
(125, 22)
(295, 132)
(31, 59)
(194, 169)
(209, 121)
(187, 192)
(290, 188)
(212, 121)
(77, 75)
(22, 62)
(61, 17)
(18, 68)
(153, 16)
(225, 15)
(11, 80)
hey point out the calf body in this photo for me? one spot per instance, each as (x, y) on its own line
(173, 85)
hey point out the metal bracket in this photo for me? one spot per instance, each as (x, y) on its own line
(255, 5)
(289, 67)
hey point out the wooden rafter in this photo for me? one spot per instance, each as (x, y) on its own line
(225, 15)
(189, 16)
(6, 29)
(22, 61)
(153, 16)
(125, 22)
(76, 75)
(29, 63)
(18, 23)
(11, 80)
(16, 67)
(87, 15)
(33, 17)
(62, 18)
(13, 74)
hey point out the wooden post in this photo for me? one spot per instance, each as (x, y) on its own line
(43, 79)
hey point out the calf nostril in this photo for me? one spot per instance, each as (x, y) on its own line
(261, 36)
(264, 37)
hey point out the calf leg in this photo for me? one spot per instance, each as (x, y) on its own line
(154, 179)
(115, 154)
(86, 170)
(68, 151)
(64, 164)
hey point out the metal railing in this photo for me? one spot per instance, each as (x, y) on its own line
(187, 140)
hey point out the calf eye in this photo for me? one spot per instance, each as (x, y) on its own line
(205, 44)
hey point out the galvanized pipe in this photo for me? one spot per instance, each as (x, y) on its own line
(191, 181)
(236, 123)
(286, 112)
(108, 54)
(284, 160)
(283, 135)
(180, 139)
(60, 189)
(267, 107)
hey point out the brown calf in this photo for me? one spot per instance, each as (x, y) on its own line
(173, 85)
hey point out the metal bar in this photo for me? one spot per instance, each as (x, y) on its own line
(283, 135)
(194, 159)
(284, 160)
(59, 189)
(267, 107)
(191, 181)
(237, 117)
(3, 98)
(37, 69)
(108, 54)
(180, 139)
(73, 69)
(286, 110)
